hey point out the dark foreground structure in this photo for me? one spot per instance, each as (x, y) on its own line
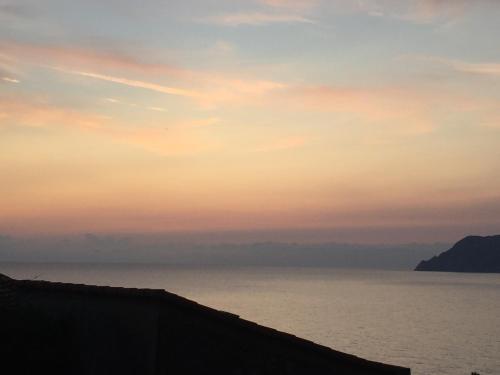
(56, 328)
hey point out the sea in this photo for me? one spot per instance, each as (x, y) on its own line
(435, 323)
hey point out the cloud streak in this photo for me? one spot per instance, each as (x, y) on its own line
(138, 84)
(256, 19)
(223, 90)
(407, 110)
(10, 80)
(82, 58)
(415, 11)
(29, 113)
(182, 137)
(291, 4)
(209, 89)
(487, 69)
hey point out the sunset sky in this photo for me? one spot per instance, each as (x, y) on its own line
(182, 115)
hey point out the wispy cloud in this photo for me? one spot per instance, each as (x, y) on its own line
(82, 58)
(157, 109)
(10, 80)
(428, 10)
(255, 19)
(138, 84)
(25, 112)
(208, 89)
(8, 65)
(166, 142)
(488, 69)
(388, 105)
(114, 101)
(299, 5)
(416, 11)
(391, 112)
(111, 100)
(170, 139)
(223, 90)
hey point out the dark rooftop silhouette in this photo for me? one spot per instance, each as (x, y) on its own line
(81, 329)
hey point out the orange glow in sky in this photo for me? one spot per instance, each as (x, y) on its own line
(252, 115)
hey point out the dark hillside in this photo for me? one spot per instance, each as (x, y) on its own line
(471, 254)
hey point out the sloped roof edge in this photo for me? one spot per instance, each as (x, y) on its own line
(160, 295)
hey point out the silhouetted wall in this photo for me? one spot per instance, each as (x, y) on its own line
(76, 329)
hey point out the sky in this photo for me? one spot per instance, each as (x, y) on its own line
(366, 119)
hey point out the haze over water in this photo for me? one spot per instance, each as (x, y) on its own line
(435, 323)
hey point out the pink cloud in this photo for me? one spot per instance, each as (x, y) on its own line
(181, 138)
(385, 105)
(30, 113)
(427, 10)
(393, 111)
(208, 89)
(417, 11)
(78, 57)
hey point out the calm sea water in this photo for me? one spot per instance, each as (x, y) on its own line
(435, 323)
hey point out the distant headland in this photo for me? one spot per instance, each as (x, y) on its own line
(471, 254)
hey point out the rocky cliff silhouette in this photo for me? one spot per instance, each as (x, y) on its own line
(56, 328)
(471, 254)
